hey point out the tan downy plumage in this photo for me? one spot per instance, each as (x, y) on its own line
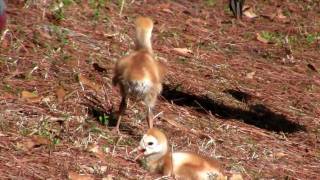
(138, 75)
(181, 165)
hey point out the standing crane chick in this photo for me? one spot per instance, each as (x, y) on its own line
(138, 75)
(181, 165)
(236, 7)
(2, 15)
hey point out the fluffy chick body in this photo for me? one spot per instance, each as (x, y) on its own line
(181, 165)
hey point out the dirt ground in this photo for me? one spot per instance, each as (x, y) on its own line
(246, 93)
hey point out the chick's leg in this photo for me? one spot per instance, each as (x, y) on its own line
(150, 117)
(122, 109)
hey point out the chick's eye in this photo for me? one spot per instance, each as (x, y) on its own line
(150, 143)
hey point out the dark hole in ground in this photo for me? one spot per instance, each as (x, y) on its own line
(258, 115)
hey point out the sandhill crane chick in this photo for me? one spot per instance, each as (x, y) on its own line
(181, 165)
(138, 75)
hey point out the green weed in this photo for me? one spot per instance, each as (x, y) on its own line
(311, 38)
(104, 119)
(183, 60)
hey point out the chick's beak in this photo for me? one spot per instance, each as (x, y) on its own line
(140, 151)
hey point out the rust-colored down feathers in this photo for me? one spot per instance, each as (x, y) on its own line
(181, 165)
(138, 75)
(144, 26)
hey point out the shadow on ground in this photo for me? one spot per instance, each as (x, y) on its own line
(108, 117)
(257, 115)
(102, 116)
(238, 95)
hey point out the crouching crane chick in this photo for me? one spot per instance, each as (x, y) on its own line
(138, 75)
(181, 165)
